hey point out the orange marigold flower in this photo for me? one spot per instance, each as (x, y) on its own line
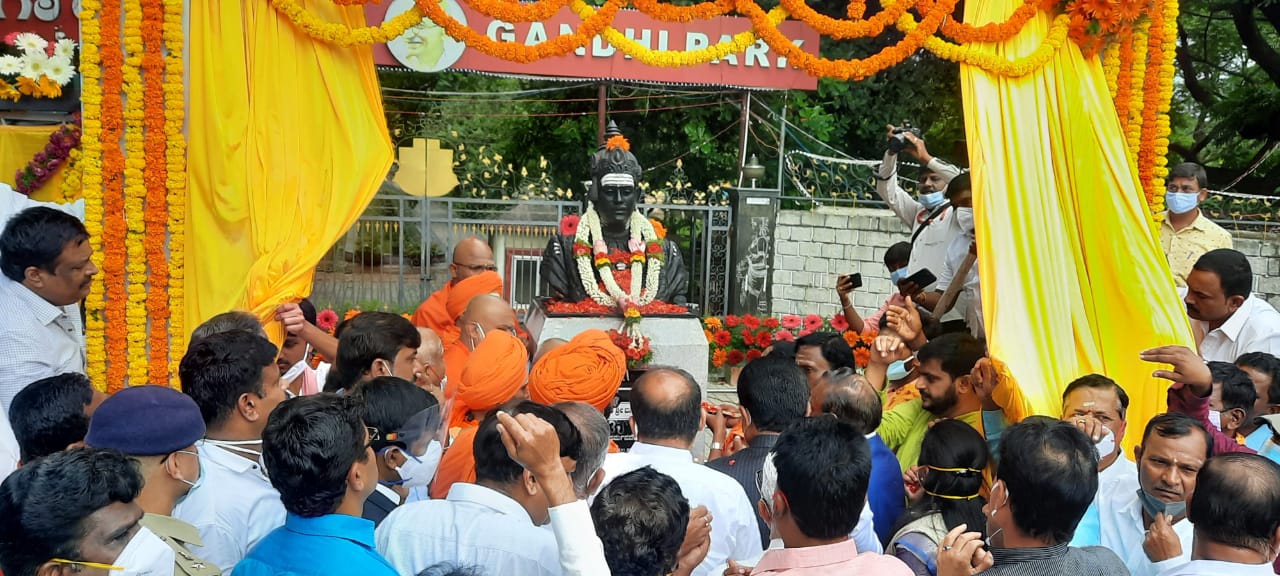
(719, 357)
(617, 142)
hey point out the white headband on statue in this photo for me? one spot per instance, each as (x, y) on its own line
(616, 179)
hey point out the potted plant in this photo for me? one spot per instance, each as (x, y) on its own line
(37, 74)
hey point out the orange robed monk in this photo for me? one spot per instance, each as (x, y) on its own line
(494, 375)
(471, 257)
(484, 315)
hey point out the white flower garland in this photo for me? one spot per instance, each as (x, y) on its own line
(642, 233)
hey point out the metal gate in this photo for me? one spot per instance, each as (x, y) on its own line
(398, 252)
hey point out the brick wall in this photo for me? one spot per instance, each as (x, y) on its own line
(811, 248)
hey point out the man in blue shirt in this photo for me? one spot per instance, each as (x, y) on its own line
(317, 453)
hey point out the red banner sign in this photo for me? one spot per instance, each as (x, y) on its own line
(426, 48)
(44, 17)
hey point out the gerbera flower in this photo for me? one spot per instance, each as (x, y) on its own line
(812, 322)
(65, 48)
(35, 65)
(569, 225)
(839, 323)
(791, 321)
(784, 336)
(764, 339)
(30, 44)
(735, 357)
(60, 70)
(750, 321)
(732, 321)
(327, 320)
(10, 65)
(753, 355)
(771, 323)
(723, 338)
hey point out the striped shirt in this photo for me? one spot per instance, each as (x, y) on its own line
(1059, 560)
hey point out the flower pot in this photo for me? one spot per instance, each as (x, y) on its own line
(67, 103)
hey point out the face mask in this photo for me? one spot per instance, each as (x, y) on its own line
(146, 555)
(898, 370)
(1107, 445)
(897, 275)
(418, 471)
(238, 446)
(297, 368)
(199, 477)
(964, 218)
(1153, 505)
(932, 200)
(476, 342)
(1181, 202)
(1215, 418)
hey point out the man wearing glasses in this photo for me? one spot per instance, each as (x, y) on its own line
(1186, 233)
(471, 257)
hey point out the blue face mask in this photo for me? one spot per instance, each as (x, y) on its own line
(1155, 505)
(1181, 202)
(898, 370)
(897, 275)
(932, 200)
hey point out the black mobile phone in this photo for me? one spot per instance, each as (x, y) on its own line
(855, 280)
(922, 278)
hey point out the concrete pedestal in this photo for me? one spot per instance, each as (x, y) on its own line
(676, 342)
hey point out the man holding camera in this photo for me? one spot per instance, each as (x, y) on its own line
(929, 216)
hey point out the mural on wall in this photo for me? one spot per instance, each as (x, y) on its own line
(753, 268)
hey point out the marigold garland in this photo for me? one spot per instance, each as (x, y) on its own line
(175, 176)
(514, 11)
(981, 56)
(669, 13)
(71, 177)
(114, 227)
(838, 29)
(341, 34)
(991, 31)
(91, 182)
(515, 52)
(155, 175)
(135, 193)
(677, 58)
(1163, 94)
(1150, 108)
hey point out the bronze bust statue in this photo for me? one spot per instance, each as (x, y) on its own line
(611, 210)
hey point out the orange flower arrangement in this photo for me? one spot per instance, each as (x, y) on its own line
(516, 52)
(135, 194)
(1150, 108)
(155, 216)
(844, 29)
(114, 226)
(668, 13)
(990, 32)
(617, 142)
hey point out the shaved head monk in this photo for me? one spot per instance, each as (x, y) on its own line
(495, 374)
(471, 257)
(484, 315)
(590, 368)
(431, 359)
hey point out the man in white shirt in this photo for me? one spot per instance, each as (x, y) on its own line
(930, 218)
(1148, 527)
(968, 292)
(666, 406)
(1098, 406)
(493, 524)
(1233, 320)
(1236, 512)
(45, 257)
(233, 378)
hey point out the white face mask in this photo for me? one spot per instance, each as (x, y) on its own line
(297, 368)
(1107, 445)
(1215, 418)
(418, 471)
(964, 219)
(146, 555)
(238, 446)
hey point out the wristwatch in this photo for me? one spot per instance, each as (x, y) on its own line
(716, 446)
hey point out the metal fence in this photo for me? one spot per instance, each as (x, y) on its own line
(398, 252)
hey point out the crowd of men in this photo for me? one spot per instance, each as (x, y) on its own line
(459, 446)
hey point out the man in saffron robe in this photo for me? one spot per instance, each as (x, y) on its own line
(495, 374)
(471, 257)
(486, 314)
(589, 368)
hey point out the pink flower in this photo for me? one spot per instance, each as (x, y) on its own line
(39, 172)
(600, 247)
(11, 38)
(790, 321)
(635, 245)
(812, 322)
(327, 320)
(569, 225)
(53, 164)
(40, 158)
(839, 323)
(785, 336)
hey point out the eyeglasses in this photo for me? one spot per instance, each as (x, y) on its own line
(87, 564)
(478, 267)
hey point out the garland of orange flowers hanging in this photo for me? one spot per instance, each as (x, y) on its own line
(508, 11)
(1158, 97)
(668, 13)
(175, 155)
(844, 29)
(91, 182)
(135, 193)
(155, 215)
(342, 34)
(114, 227)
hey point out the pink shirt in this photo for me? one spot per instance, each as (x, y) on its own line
(833, 559)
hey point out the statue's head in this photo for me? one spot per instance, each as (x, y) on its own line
(615, 174)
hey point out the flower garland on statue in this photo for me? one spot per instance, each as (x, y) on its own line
(46, 162)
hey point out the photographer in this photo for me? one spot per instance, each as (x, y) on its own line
(931, 220)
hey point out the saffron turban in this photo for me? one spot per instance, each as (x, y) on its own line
(589, 368)
(495, 372)
(460, 294)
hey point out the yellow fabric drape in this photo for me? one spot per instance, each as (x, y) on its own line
(18, 145)
(1073, 282)
(287, 145)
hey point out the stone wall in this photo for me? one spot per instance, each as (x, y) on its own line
(811, 248)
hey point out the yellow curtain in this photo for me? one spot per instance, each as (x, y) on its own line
(287, 145)
(18, 145)
(1073, 282)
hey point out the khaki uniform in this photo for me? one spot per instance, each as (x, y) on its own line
(177, 534)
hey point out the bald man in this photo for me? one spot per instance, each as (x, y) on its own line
(431, 357)
(471, 257)
(484, 315)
